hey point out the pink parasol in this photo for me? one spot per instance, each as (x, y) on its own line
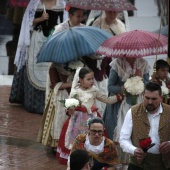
(19, 3)
(109, 5)
(135, 43)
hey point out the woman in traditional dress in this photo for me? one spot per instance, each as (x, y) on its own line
(58, 87)
(28, 87)
(101, 149)
(100, 64)
(121, 70)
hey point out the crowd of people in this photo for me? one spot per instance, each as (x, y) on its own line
(105, 129)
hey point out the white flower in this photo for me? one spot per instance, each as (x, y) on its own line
(134, 85)
(75, 64)
(165, 90)
(71, 103)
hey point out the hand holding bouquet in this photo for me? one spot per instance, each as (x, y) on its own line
(146, 144)
(70, 104)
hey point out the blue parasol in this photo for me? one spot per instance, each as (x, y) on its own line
(71, 44)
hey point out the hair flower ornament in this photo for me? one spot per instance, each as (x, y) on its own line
(67, 8)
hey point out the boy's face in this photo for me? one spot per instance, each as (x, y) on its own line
(162, 73)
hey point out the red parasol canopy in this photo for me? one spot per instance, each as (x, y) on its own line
(135, 43)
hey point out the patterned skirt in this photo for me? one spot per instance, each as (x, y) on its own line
(22, 92)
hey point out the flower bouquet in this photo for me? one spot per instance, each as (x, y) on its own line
(146, 144)
(134, 86)
(165, 94)
(70, 103)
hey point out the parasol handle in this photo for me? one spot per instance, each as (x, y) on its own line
(162, 12)
(45, 12)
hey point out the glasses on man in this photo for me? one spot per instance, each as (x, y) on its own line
(94, 132)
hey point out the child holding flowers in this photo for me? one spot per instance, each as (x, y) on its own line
(87, 94)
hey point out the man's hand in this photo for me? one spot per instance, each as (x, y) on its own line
(139, 154)
(164, 147)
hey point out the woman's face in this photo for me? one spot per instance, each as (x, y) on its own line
(96, 132)
(77, 17)
(111, 15)
(88, 80)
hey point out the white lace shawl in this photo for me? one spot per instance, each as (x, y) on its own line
(123, 69)
(26, 27)
(95, 149)
(24, 38)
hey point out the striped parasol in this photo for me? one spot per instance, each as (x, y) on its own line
(137, 43)
(19, 3)
(71, 44)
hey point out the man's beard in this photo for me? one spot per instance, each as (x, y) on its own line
(150, 107)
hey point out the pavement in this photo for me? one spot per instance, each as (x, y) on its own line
(18, 132)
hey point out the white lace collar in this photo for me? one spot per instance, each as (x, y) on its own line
(92, 148)
(120, 65)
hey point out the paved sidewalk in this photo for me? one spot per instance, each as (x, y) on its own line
(18, 131)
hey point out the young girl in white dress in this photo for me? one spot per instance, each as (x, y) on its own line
(87, 94)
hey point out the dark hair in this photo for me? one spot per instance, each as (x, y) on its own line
(95, 120)
(161, 64)
(78, 159)
(153, 87)
(84, 71)
(72, 10)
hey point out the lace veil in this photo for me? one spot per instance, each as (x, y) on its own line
(75, 80)
(26, 27)
(24, 38)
